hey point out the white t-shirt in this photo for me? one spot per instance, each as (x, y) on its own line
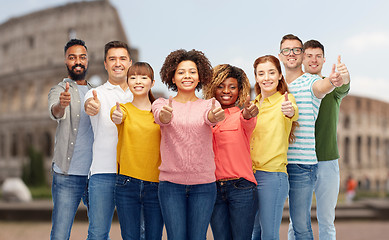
(104, 130)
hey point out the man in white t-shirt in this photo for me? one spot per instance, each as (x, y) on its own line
(98, 104)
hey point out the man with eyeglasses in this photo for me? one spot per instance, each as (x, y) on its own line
(308, 90)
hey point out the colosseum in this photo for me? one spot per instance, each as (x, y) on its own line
(31, 60)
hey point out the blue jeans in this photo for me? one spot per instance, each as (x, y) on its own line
(302, 180)
(272, 193)
(235, 204)
(132, 196)
(67, 192)
(186, 209)
(101, 205)
(326, 192)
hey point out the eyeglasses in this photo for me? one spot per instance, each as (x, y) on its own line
(287, 51)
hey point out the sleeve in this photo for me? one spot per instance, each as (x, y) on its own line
(248, 125)
(342, 91)
(312, 79)
(209, 105)
(53, 98)
(156, 108)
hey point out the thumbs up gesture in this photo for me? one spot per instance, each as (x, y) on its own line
(64, 97)
(166, 113)
(335, 77)
(250, 110)
(215, 114)
(92, 105)
(117, 114)
(342, 69)
(286, 106)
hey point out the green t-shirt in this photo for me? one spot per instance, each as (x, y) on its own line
(327, 123)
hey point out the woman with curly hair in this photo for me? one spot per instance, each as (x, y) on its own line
(187, 188)
(269, 144)
(233, 215)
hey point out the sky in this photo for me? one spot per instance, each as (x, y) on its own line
(238, 32)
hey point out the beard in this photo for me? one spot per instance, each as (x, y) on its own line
(77, 76)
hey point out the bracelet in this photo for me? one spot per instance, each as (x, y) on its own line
(331, 82)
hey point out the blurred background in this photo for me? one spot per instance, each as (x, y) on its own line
(34, 32)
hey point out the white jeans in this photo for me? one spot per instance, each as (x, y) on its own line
(326, 192)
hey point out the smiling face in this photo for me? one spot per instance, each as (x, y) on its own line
(291, 61)
(267, 76)
(117, 63)
(140, 85)
(186, 76)
(76, 60)
(227, 92)
(313, 60)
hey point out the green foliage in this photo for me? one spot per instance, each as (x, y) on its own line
(41, 192)
(33, 171)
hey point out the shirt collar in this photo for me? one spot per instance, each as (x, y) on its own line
(272, 99)
(110, 86)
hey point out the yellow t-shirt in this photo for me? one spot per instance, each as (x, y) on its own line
(270, 138)
(139, 139)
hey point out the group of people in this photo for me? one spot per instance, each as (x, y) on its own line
(186, 162)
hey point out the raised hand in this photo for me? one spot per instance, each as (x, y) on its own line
(342, 69)
(250, 110)
(64, 97)
(166, 113)
(215, 114)
(335, 77)
(92, 105)
(286, 106)
(117, 114)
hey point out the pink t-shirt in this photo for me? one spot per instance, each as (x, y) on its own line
(231, 144)
(186, 143)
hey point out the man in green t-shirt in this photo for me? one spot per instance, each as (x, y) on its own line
(327, 184)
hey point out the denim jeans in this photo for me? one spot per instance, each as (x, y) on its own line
(132, 196)
(101, 205)
(235, 204)
(302, 180)
(67, 192)
(272, 193)
(186, 209)
(326, 192)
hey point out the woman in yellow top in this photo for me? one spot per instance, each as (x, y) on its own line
(269, 144)
(138, 158)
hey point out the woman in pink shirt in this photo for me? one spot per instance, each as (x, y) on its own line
(187, 189)
(234, 212)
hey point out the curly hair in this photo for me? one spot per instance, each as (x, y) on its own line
(282, 86)
(222, 72)
(169, 67)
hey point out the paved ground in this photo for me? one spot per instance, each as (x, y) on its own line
(362, 220)
(346, 230)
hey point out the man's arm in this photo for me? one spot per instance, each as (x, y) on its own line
(324, 86)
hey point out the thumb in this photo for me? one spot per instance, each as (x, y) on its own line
(171, 101)
(247, 102)
(213, 104)
(118, 107)
(339, 60)
(67, 87)
(95, 95)
(286, 96)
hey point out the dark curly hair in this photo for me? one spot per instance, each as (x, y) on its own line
(169, 67)
(73, 42)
